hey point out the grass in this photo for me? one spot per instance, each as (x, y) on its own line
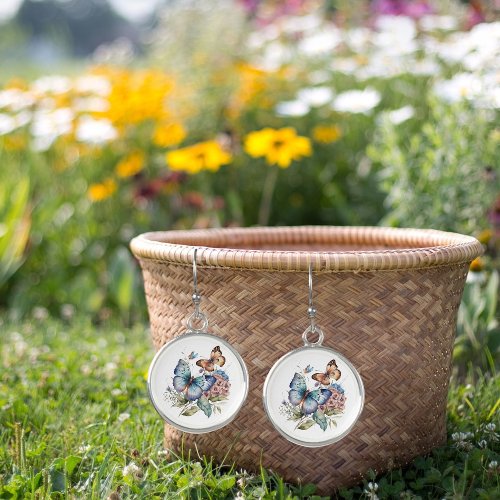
(76, 422)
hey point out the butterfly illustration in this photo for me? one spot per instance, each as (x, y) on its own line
(308, 369)
(307, 400)
(332, 373)
(192, 387)
(216, 358)
(193, 355)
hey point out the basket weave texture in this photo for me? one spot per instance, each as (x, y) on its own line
(386, 298)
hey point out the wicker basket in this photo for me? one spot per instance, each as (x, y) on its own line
(386, 298)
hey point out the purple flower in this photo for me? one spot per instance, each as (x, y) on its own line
(415, 8)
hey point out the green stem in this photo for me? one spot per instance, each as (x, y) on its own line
(267, 196)
(302, 420)
(185, 407)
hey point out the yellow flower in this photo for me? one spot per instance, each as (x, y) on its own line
(252, 85)
(207, 155)
(102, 190)
(326, 133)
(15, 142)
(168, 134)
(279, 147)
(485, 236)
(136, 96)
(477, 265)
(131, 164)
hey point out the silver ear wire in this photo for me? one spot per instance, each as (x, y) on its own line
(311, 312)
(196, 297)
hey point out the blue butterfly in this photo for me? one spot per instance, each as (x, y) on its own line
(308, 369)
(307, 400)
(192, 387)
(193, 355)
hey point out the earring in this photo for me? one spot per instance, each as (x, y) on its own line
(193, 392)
(313, 395)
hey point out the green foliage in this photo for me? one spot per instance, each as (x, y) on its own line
(124, 281)
(478, 332)
(79, 251)
(444, 175)
(76, 421)
(15, 222)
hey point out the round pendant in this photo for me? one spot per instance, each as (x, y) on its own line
(313, 396)
(197, 382)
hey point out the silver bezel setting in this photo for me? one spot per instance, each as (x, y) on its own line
(217, 340)
(335, 354)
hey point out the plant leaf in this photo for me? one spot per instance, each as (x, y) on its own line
(320, 419)
(215, 399)
(226, 482)
(204, 405)
(190, 411)
(71, 463)
(306, 425)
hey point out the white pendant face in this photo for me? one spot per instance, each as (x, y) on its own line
(197, 382)
(313, 396)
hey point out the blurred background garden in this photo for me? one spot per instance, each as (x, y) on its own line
(122, 116)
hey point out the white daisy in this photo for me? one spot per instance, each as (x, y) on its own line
(459, 87)
(400, 115)
(95, 131)
(52, 84)
(93, 84)
(7, 124)
(292, 108)
(357, 101)
(315, 96)
(320, 42)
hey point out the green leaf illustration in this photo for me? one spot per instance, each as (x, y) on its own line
(320, 419)
(306, 425)
(189, 411)
(214, 399)
(204, 406)
(330, 413)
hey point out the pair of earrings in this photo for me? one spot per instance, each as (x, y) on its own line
(198, 383)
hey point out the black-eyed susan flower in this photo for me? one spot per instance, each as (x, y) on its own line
(131, 164)
(278, 146)
(326, 134)
(207, 155)
(102, 190)
(477, 265)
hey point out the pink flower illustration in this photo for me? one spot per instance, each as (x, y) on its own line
(220, 388)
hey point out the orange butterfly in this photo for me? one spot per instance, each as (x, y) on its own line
(332, 372)
(216, 358)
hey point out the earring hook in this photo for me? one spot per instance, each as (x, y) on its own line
(311, 312)
(195, 275)
(196, 297)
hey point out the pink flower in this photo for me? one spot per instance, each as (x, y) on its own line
(413, 8)
(336, 401)
(220, 388)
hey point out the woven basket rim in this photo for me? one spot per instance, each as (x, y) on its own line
(221, 248)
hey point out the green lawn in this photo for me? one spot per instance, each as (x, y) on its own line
(76, 422)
